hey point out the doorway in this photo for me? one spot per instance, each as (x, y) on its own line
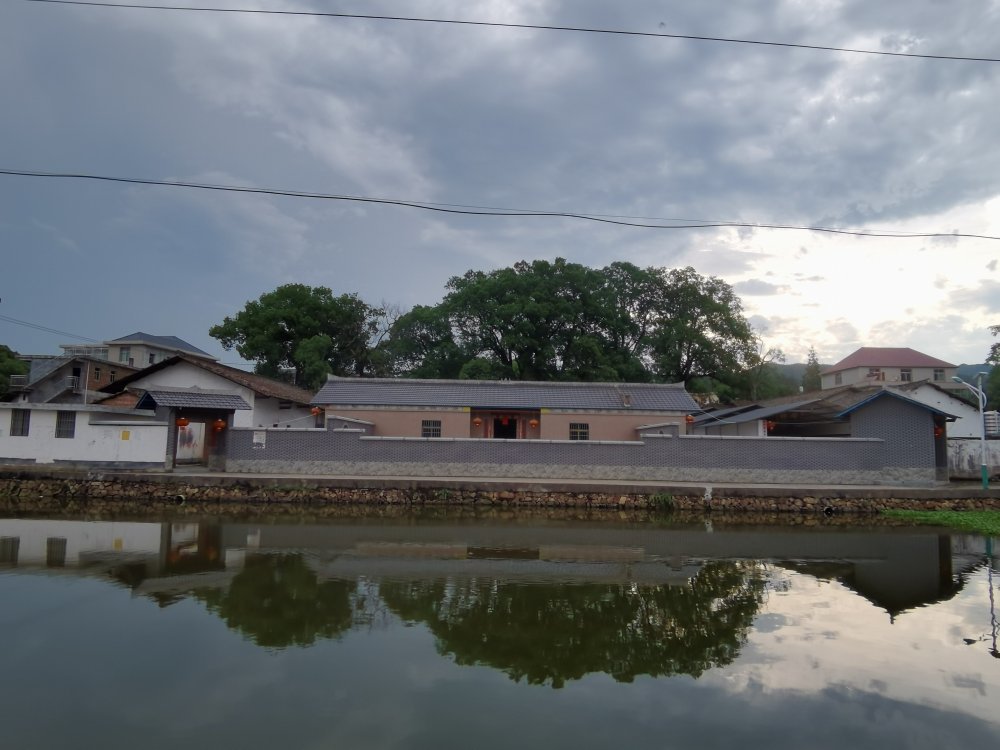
(504, 428)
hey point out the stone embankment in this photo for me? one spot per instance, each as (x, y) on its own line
(31, 492)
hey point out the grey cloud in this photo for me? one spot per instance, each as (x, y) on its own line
(992, 265)
(756, 287)
(986, 296)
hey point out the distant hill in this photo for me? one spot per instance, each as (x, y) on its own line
(969, 372)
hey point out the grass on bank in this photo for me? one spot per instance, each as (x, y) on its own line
(986, 522)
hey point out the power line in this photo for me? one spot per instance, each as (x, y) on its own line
(493, 211)
(489, 211)
(507, 25)
(46, 329)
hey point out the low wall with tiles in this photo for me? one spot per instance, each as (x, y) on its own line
(687, 458)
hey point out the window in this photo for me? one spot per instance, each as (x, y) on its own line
(875, 373)
(152, 358)
(20, 422)
(838, 379)
(123, 354)
(55, 552)
(430, 428)
(65, 424)
(939, 373)
(114, 376)
(579, 431)
(282, 404)
(97, 375)
(906, 375)
(9, 547)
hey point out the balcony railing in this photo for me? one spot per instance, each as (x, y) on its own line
(18, 381)
(72, 383)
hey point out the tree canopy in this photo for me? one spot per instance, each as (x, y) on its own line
(304, 329)
(537, 320)
(564, 321)
(10, 365)
(812, 378)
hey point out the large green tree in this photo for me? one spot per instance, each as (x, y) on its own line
(992, 386)
(700, 329)
(10, 365)
(305, 329)
(564, 321)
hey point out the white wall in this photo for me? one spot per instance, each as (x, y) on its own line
(183, 375)
(267, 414)
(968, 424)
(118, 442)
(81, 537)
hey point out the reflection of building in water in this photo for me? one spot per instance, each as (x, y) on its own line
(895, 569)
(128, 551)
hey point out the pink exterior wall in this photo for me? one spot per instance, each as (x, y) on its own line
(459, 423)
(555, 425)
(407, 422)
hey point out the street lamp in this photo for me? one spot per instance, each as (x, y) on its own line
(981, 395)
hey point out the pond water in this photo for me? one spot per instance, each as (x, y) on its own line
(438, 632)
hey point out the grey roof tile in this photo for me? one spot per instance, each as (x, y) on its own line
(483, 394)
(193, 399)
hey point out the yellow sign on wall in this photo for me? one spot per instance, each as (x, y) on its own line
(126, 434)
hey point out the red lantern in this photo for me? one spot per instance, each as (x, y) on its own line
(689, 419)
(219, 425)
(477, 421)
(183, 421)
(315, 411)
(504, 421)
(769, 425)
(533, 423)
(938, 431)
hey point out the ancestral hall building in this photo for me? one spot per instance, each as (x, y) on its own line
(511, 410)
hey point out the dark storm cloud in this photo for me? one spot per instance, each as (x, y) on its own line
(523, 119)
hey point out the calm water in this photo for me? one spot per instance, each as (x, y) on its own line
(441, 633)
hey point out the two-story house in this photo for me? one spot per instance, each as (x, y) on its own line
(873, 365)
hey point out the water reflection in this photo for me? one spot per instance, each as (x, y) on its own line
(424, 634)
(558, 632)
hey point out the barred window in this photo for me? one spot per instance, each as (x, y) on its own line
(20, 422)
(65, 424)
(430, 428)
(579, 431)
(906, 375)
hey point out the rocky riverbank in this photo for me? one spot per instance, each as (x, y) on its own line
(33, 492)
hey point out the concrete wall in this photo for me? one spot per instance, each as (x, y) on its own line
(100, 439)
(965, 458)
(686, 458)
(267, 412)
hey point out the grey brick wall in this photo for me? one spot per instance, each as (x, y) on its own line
(686, 458)
(908, 431)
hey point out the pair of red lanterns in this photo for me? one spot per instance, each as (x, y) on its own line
(218, 425)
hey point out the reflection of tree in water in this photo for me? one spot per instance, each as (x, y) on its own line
(563, 631)
(277, 601)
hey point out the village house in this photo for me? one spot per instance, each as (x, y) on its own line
(508, 410)
(872, 365)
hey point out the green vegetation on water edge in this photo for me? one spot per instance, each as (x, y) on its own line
(979, 521)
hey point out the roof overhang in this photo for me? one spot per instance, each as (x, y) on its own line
(192, 399)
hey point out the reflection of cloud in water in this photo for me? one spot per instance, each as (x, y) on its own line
(851, 644)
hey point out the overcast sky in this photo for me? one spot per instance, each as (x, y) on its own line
(533, 119)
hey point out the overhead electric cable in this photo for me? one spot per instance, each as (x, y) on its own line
(500, 212)
(46, 329)
(530, 26)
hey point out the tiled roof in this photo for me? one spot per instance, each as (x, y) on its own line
(874, 356)
(492, 394)
(164, 342)
(256, 383)
(191, 398)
